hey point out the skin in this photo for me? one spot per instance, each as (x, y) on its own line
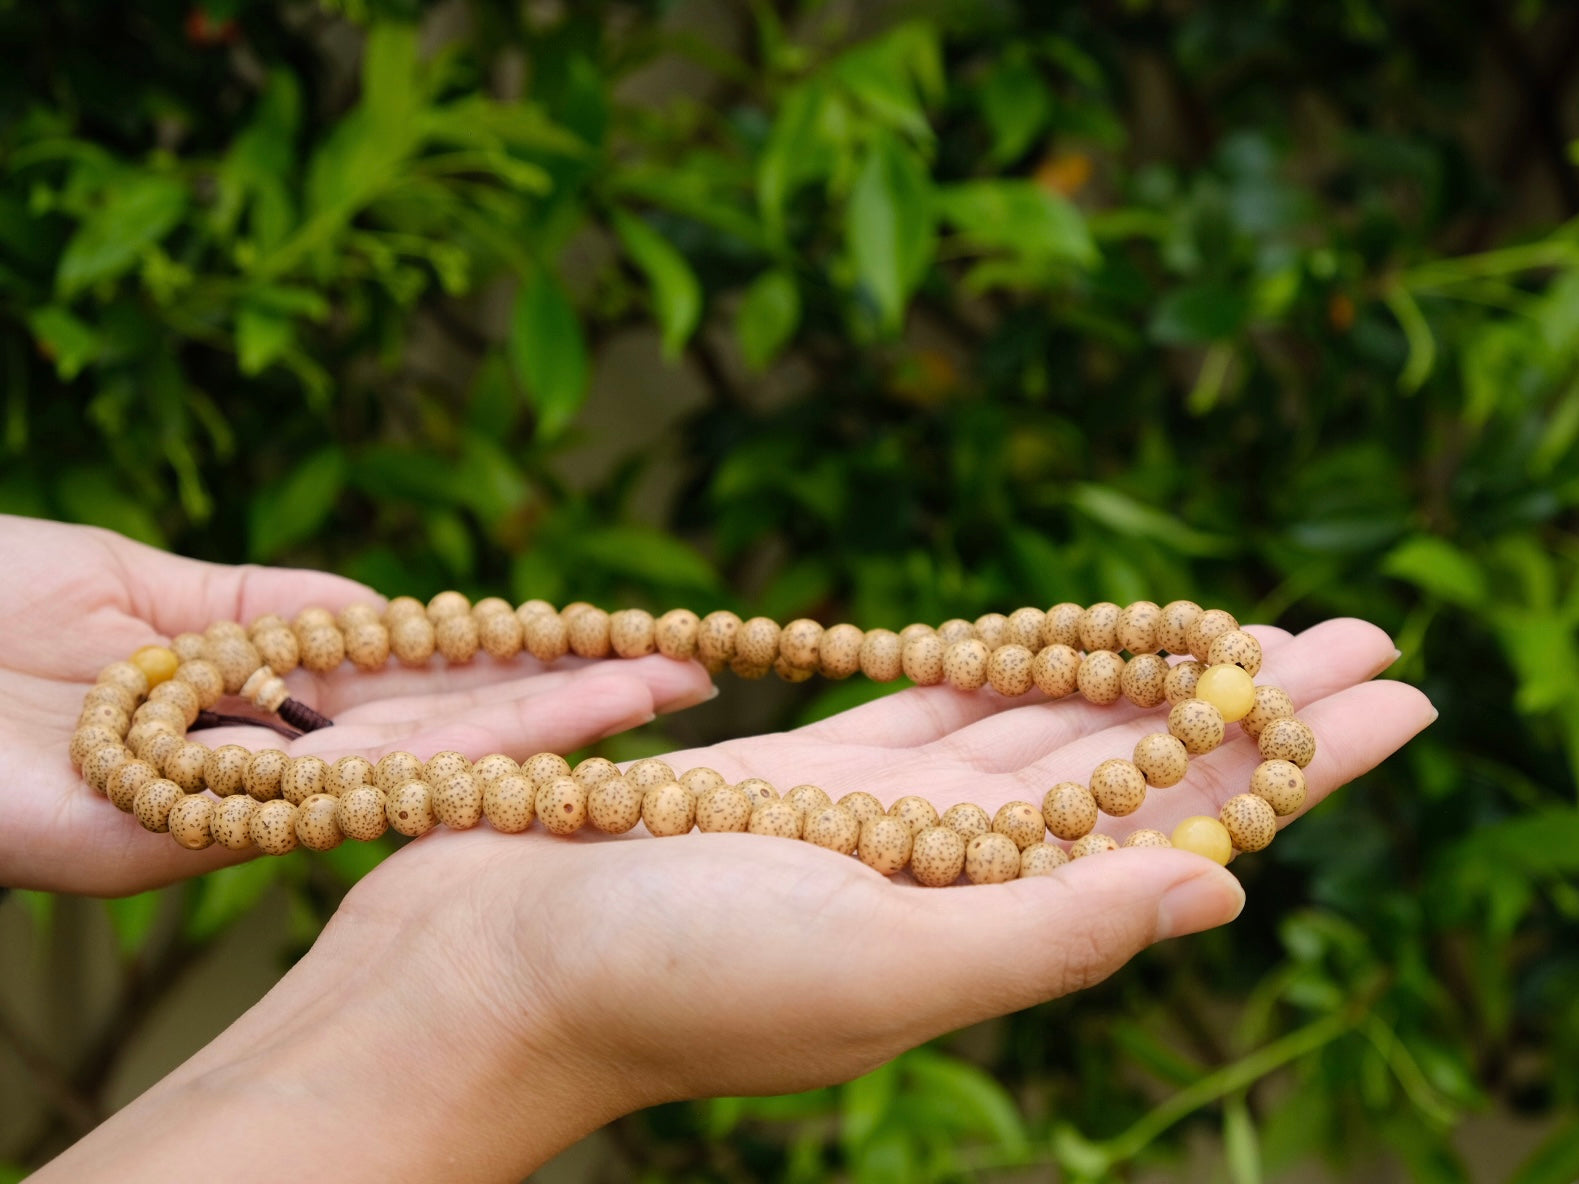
(509, 980)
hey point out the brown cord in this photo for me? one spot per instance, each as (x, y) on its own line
(215, 719)
(299, 715)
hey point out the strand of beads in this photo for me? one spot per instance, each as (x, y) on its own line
(131, 740)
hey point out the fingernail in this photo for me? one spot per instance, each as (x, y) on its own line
(1397, 653)
(711, 695)
(1204, 901)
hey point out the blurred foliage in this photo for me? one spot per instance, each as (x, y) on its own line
(1267, 305)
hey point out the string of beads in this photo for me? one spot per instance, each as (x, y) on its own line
(131, 742)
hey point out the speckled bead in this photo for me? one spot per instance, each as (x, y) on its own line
(574, 609)
(495, 764)
(403, 608)
(303, 777)
(588, 632)
(632, 633)
(413, 640)
(701, 779)
(1198, 724)
(1288, 740)
(446, 764)
(357, 614)
(562, 803)
(397, 768)
(1162, 759)
(224, 768)
(1281, 783)
(614, 805)
(1056, 670)
(102, 762)
(1118, 786)
(546, 637)
(457, 638)
(884, 844)
(534, 607)
(775, 818)
(188, 645)
(645, 774)
(914, 630)
(758, 641)
(190, 822)
(491, 606)
(181, 695)
(1042, 859)
(937, 855)
(922, 660)
(542, 767)
(882, 655)
(1144, 679)
(594, 771)
(863, 805)
(832, 827)
(347, 773)
(185, 765)
(279, 650)
(273, 827)
(219, 630)
(85, 739)
(265, 767)
(231, 824)
(1204, 836)
(1236, 648)
(107, 716)
(115, 696)
(1024, 627)
(317, 823)
(1173, 628)
(1062, 626)
(1099, 627)
(955, 629)
(362, 813)
(915, 812)
(968, 820)
(1009, 669)
(716, 637)
(1146, 837)
(1270, 703)
(792, 673)
(509, 803)
(675, 634)
(991, 858)
(1207, 628)
(457, 801)
(1137, 628)
(126, 676)
(668, 809)
(204, 678)
(448, 604)
(367, 645)
(807, 798)
(839, 651)
(409, 808)
(235, 658)
(1181, 680)
(1250, 821)
(1020, 822)
(322, 648)
(158, 711)
(758, 790)
(1069, 810)
(965, 664)
(159, 746)
(723, 808)
(1094, 843)
(742, 668)
(990, 629)
(1101, 677)
(800, 643)
(152, 802)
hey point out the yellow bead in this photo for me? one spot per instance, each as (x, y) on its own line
(1229, 689)
(1205, 836)
(157, 662)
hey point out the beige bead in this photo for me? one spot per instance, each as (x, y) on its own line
(367, 645)
(742, 668)
(204, 678)
(191, 820)
(185, 765)
(1198, 724)
(115, 696)
(159, 747)
(1144, 680)
(1009, 669)
(1062, 626)
(125, 676)
(303, 777)
(1069, 810)
(143, 731)
(990, 629)
(1024, 627)
(922, 660)
(1207, 628)
(1021, 822)
(839, 651)
(775, 818)
(969, 820)
(546, 637)
(106, 716)
(1056, 670)
(159, 711)
(457, 801)
(632, 633)
(397, 768)
(317, 822)
(363, 813)
(1181, 680)
(588, 632)
(1137, 628)
(1042, 859)
(758, 790)
(574, 609)
(403, 608)
(224, 768)
(645, 774)
(457, 638)
(409, 808)
(1118, 786)
(806, 798)
(937, 855)
(1237, 648)
(1281, 783)
(915, 812)
(85, 739)
(992, 858)
(792, 673)
(1174, 627)
(561, 802)
(884, 844)
(832, 827)
(231, 824)
(758, 641)
(675, 634)
(236, 658)
(412, 640)
(348, 773)
(360, 613)
(914, 630)
(1270, 703)
(448, 604)
(495, 764)
(218, 630)
(492, 606)
(723, 808)
(1146, 837)
(1162, 759)
(152, 802)
(594, 771)
(181, 694)
(265, 767)
(102, 763)
(862, 804)
(1099, 627)
(882, 655)
(534, 607)
(955, 629)
(273, 827)
(668, 809)
(266, 622)
(965, 664)
(509, 802)
(701, 779)
(1092, 844)
(1250, 821)
(614, 804)
(716, 637)
(800, 642)
(322, 648)
(188, 645)
(1101, 677)
(1288, 740)
(446, 764)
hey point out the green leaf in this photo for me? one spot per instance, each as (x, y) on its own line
(64, 340)
(137, 211)
(1018, 217)
(295, 509)
(890, 226)
(132, 917)
(800, 148)
(261, 336)
(1438, 568)
(768, 317)
(229, 893)
(863, 1104)
(1241, 1147)
(978, 1102)
(548, 352)
(1125, 516)
(651, 556)
(676, 294)
(1016, 105)
(1555, 1161)
(889, 1158)
(1200, 313)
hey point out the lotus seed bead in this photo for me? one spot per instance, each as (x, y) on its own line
(1146, 838)
(1228, 688)
(863, 805)
(668, 809)
(991, 858)
(1024, 627)
(645, 774)
(614, 804)
(1062, 626)
(105, 718)
(588, 632)
(322, 648)
(912, 631)
(445, 764)
(884, 844)
(832, 827)
(152, 802)
(758, 790)
(457, 639)
(1101, 677)
(413, 640)
(594, 771)
(574, 609)
(179, 693)
(224, 768)
(157, 663)
(235, 658)
(1021, 822)
(1042, 859)
(716, 637)
(1094, 843)
(403, 608)
(85, 739)
(1181, 680)
(806, 798)
(922, 660)
(1288, 740)
(1204, 836)
(1198, 724)
(1144, 679)
(303, 777)
(495, 764)
(561, 802)
(937, 855)
(882, 655)
(631, 633)
(741, 668)
(190, 822)
(800, 643)
(204, 678)
(347, 773)
(915, 812)
(102, 762)
(143, 734)
(264, 770)
(395, 769)
(701, 779)
(188, 645)
(955, 629)
(969, 820)
(1069, 810)
(1281, 783)
(185, 765)
(1009, 669)
(546, 637)
(367, 645)
(360, 613)
(126, 676)
(1174, 626)
(1237, 648)
(1162, 759)
(532, 608)
(775, 818)
(317, 826)
(1099, 627)
(1137, 628)
(723, 808)
(1207, 628)
(839, 651)
(231, 825)
(362, 813)
(457, 801)
(758, 642)
(448, 604)
(509, 802)
(161, 747)
(273, 827)
(675, 634)
(490, 606)
(409, 808)
(223, 630)
(990, 629)
(1271, 703)
(115, 696)
(1056, 669)
(1250, 821)
(161, 711)
(1118, 786)
(965, 664)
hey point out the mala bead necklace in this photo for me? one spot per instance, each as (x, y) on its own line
(131, 740)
